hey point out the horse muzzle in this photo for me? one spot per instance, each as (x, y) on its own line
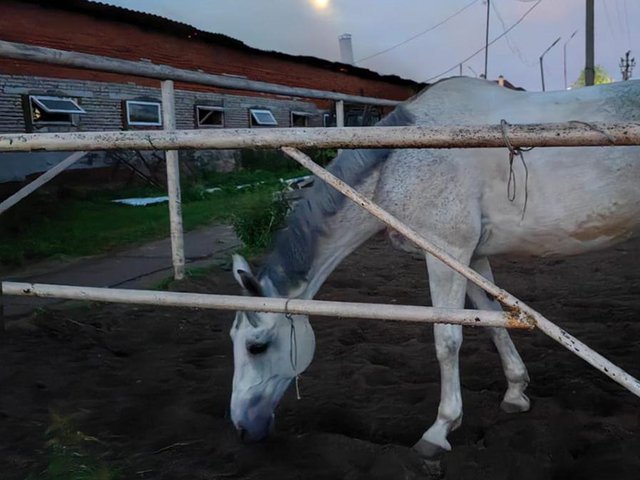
(256, 430)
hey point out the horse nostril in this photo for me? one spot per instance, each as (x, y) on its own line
(242, 433)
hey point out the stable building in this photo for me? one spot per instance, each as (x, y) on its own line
(38, 97)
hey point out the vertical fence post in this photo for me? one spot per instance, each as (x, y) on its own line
(340, 113)
(173, 182)
(2, 322)
(340, 116)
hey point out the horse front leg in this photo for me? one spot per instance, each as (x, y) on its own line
(447, 291)
(515, 371)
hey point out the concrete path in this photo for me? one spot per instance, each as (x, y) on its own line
(139, 267)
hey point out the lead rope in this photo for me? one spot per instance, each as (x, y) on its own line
(293, 352)
(516, 152)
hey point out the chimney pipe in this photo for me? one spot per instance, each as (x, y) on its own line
(346, 49)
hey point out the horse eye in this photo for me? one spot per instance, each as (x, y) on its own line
(257, 348)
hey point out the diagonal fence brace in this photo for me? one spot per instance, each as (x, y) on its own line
(512, 304)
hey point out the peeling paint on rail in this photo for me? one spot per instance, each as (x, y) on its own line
(481, 136)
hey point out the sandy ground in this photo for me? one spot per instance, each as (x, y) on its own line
(149, 388)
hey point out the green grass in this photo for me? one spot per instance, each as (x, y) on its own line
(45, 227)
(75, 223)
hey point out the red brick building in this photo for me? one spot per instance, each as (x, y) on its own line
(109, 101)
(101, 29)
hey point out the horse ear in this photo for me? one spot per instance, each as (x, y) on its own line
(242, 274)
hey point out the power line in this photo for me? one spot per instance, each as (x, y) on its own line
(419, 34)
(489, 44)
(510, 42)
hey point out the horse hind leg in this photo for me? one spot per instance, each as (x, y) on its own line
(515, 371)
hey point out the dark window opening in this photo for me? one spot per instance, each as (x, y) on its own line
(209, 116)
(300, 119)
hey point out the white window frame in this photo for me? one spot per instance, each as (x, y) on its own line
(329, 120)
(305, 115)
(38, 100)
(143, 124)
(210, 108)
(260, 123)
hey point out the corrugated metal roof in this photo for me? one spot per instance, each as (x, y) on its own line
(183, 30)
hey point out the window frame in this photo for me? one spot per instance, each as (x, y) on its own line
(329, 120)
(39, 98)
(35, 101)
(127, 113)
(300, 114)
(211, 108)
(256, 122)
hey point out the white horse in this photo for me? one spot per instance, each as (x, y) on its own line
(577, 200)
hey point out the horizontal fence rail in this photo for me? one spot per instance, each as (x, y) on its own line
(532, 135)
(405, 313)
(21, 51)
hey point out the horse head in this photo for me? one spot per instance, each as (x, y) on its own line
(269, 351)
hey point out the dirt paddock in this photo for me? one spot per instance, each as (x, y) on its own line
(145, 390)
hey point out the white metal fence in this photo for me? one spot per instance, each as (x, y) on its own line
(517, 314)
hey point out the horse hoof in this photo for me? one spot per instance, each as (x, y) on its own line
(523, 405)
(428, 450)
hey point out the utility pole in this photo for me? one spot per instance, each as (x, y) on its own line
(486, 41)
(626, 66)
(589, 69)
(564, 57)
(542, 57)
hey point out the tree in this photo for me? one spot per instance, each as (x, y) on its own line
(602, 76)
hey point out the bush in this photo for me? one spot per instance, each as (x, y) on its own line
(258, 223)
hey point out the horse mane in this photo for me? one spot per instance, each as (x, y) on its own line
(289, 262)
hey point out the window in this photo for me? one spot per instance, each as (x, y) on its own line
(49, 110)
(354, 119)
(358, 116)
(261, 118)
(300, 119)
(142, 113)
(328, 120)
(207, 117)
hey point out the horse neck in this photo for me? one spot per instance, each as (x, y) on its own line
(330, 254)
(325, 227)
(312, 247)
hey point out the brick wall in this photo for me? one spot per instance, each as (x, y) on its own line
(102, 94)
(69, 30)
(103, 102)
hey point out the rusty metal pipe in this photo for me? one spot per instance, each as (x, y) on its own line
(479, 136)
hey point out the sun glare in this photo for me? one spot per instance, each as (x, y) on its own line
(320, 4)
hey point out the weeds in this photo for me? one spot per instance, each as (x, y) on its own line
(70, 454)
(256, 226)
